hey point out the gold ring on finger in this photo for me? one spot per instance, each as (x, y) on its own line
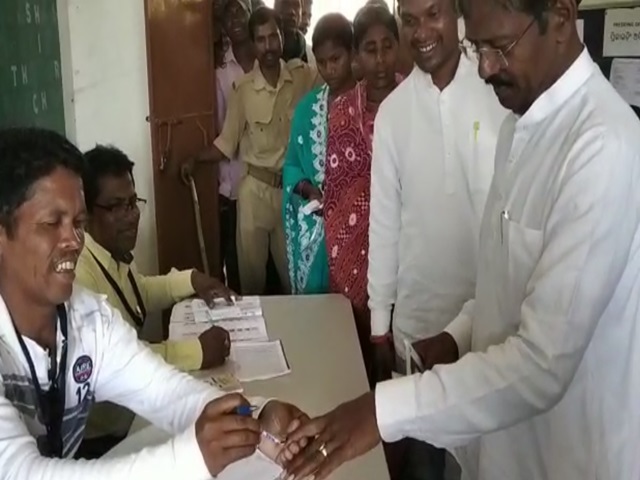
(323, 450)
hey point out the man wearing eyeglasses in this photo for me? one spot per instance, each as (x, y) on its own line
(106, 266)
(547, 385)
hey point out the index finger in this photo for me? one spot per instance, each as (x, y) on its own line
(309, 429)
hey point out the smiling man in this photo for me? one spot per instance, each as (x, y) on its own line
(429, 183)
(106, 266)
(63, 347)
(548, 380)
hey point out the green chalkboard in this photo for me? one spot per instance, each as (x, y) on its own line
(30, 75)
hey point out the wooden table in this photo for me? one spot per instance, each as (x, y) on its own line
(320, 341)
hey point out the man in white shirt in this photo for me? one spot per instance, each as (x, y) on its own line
(548, 382)
(429, 182)
(62, 348)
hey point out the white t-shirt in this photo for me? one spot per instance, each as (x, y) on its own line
(105, 362)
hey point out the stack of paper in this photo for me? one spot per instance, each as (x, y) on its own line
(243, 320)
(258, 360)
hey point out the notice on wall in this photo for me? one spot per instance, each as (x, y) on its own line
(622, 33)
(625, 78)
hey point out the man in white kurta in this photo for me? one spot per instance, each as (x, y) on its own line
(429, 182)
(548, 384)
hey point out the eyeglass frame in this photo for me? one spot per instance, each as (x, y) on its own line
(501, 53)
(124, 207)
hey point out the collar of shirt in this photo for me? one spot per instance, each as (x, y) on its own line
(230, 58)
(260, 83)
(564, 88)
(466, 66)
(104, 256)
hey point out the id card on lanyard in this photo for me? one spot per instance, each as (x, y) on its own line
(50, 407)
(139, 314)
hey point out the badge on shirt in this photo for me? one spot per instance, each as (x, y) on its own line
(82, 369)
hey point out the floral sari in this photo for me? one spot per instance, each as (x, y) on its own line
(346, 203)
(305, 160)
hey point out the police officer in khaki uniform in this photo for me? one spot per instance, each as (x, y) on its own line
(257, 124)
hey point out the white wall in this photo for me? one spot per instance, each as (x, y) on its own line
(106, 92)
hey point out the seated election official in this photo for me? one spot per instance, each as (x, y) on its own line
(106, 266)
(63, 347)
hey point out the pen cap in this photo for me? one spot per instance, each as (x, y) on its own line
(244, 410)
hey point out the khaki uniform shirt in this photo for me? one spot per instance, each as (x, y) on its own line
(259, 116)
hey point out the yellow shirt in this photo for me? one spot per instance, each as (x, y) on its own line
(158, 293)
(258, 119)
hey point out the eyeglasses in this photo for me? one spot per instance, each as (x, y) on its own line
(122, 208)
(498, 55)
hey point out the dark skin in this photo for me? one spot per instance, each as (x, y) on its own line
(235, 23)
(430, 27)
(47, 236)
(533, 60)
(113, 224)
(377, 57)
(351, 429)
(334, 66)
(267, 44)
(305, 18)
(291, 13)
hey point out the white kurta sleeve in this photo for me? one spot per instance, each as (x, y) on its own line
(384, 227)
(588, 237)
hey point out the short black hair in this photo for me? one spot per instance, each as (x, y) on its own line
(262, 16)
(535, 8)
(26, 156)
(103, 161)
(370, 16)
(334, 28)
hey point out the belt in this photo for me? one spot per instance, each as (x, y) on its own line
(271, 178)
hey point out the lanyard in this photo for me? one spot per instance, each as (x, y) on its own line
(51, 403)
(138, 318)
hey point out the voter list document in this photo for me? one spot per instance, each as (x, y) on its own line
(243, 320)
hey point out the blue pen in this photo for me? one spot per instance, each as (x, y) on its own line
(245, 410)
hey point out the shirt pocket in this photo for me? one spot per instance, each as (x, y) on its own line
(261, 128)
(483, 152)
(524, 248)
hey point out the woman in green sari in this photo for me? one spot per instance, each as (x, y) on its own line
(304, 168)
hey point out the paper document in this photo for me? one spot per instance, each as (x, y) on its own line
(243, 308)
(246, 324)
(625, 78)
(258, 360)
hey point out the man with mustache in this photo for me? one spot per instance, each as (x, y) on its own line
(63, 347)
(257, 124)
(429, 182)
(106, 266)
(548, 379)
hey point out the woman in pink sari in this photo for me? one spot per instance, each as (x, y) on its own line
(348, 166)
